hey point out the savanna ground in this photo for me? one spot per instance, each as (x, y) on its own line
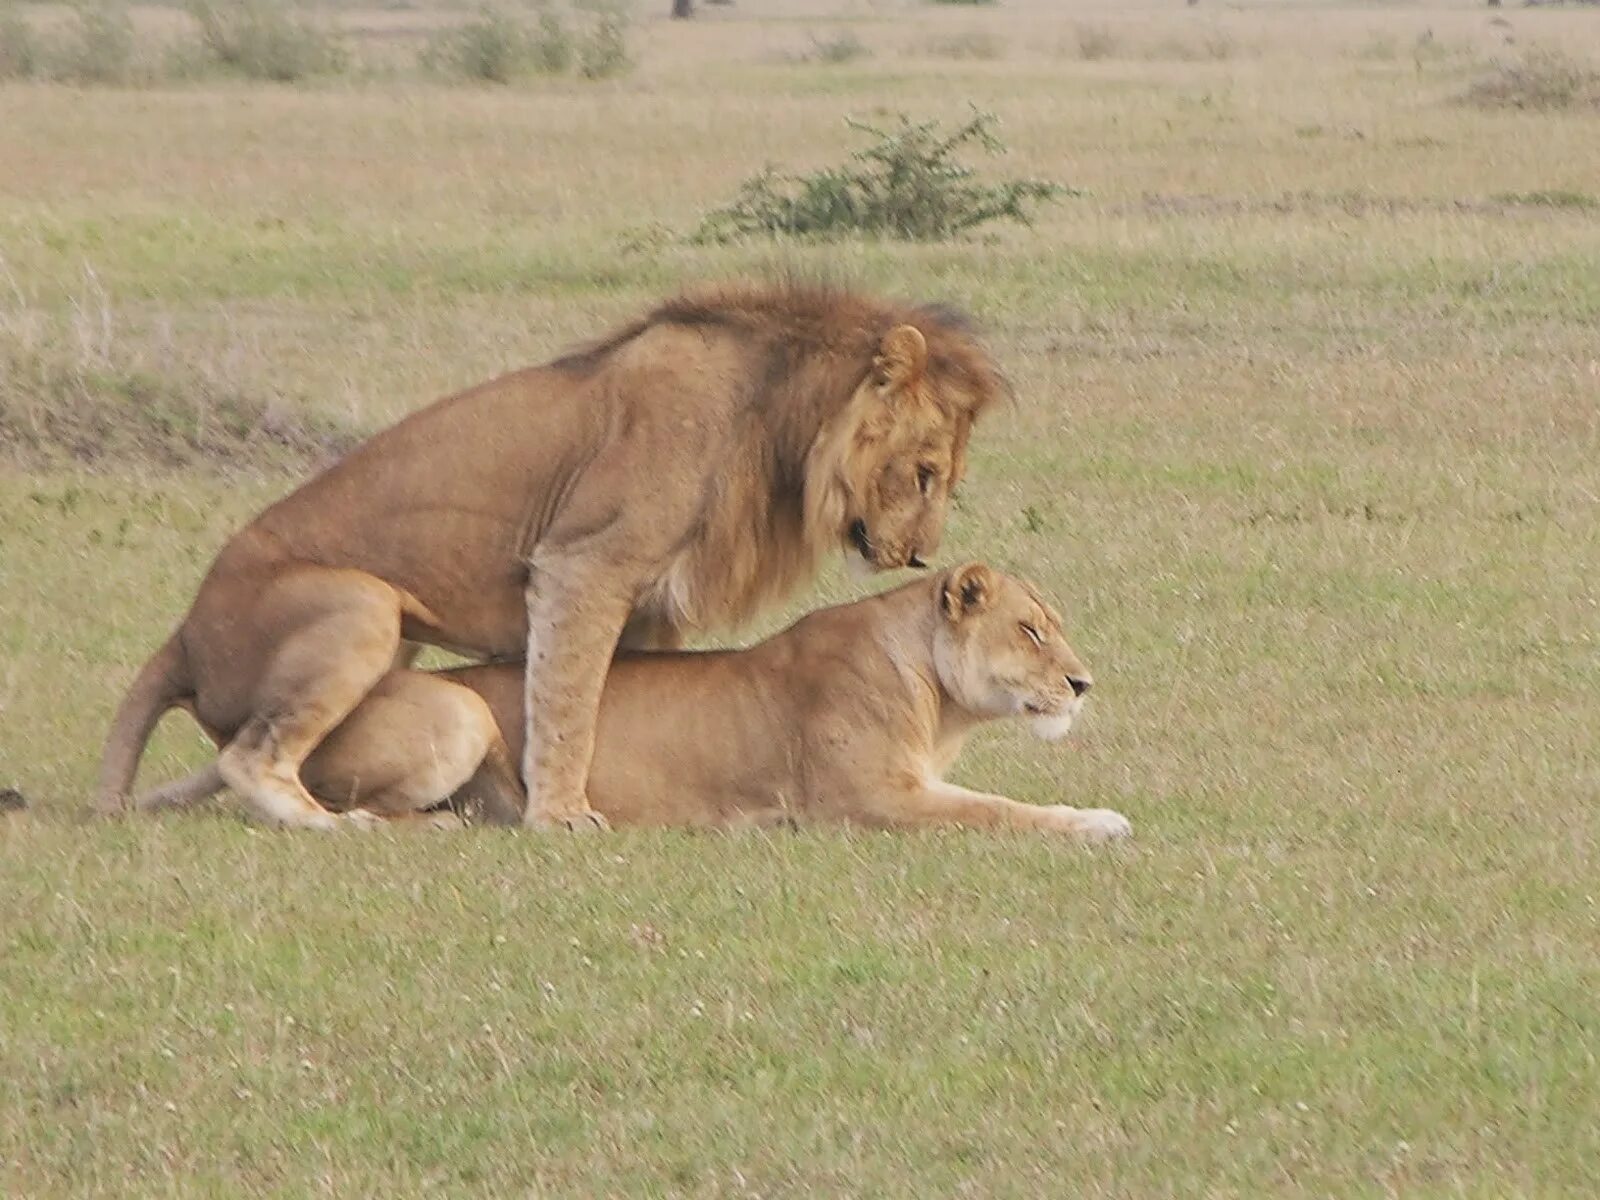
(1306, 446)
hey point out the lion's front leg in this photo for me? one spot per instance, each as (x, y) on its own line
(940, 803)
(574, 623)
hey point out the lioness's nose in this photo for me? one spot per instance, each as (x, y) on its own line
(1079, 684)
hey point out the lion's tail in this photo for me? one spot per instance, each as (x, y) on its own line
(160, 684)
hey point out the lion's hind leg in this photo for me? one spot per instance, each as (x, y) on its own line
(334, 634)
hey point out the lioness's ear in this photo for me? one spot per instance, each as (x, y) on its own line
(901, 357)
(967, 590)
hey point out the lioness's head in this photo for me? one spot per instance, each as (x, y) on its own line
(1000, 652)
(905, 449)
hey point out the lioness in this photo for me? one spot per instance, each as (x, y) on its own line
(852, 714)
(680, 474)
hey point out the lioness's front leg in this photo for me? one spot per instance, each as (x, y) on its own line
(575, 618)
(940, 803)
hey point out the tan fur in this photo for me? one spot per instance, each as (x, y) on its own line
(853, 714)
(683, 474)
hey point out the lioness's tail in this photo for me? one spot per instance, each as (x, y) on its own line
(191, 789)
(160, 684)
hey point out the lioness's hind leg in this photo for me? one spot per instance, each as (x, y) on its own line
(339, 632)
(494, 795)
(413, 741)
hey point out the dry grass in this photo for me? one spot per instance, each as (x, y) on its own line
(1310, 412)
(1541, 79)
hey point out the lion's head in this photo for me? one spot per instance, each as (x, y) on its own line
(902, 446)
(1000, 652)
(853, 434)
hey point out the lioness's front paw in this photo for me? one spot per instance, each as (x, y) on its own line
(1102, 825)
(1091, 824)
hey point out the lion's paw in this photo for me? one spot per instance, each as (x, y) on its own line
(584, 820)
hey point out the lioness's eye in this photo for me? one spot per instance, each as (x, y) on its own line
(1034, 634)
(925, 477)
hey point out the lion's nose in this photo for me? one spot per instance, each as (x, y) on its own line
(1079, 684)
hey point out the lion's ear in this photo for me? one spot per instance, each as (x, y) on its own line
(967, 590)
(901, 357)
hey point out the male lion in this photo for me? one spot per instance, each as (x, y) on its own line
(681, 474)
(852, 714)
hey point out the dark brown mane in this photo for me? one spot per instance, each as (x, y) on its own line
(796, 321)
(773, 505)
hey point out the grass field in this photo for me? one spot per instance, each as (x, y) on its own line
(1308, 447)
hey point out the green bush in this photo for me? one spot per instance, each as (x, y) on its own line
(842, 47)
(1212, 45)
(1549, 198)
(265, 39)
(1095, 42)
(497, 46)
(1379, 47)
(973, 44)
(604, 52)
(21, 53)
(907, 184)
(97, 47)
(1543, 79)
(550, 48)
(493, 47)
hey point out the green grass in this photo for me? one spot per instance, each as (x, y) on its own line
(1305, 447)
(860, 1014)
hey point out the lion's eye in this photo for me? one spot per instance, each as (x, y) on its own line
(1033, 633)
(925, 478)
